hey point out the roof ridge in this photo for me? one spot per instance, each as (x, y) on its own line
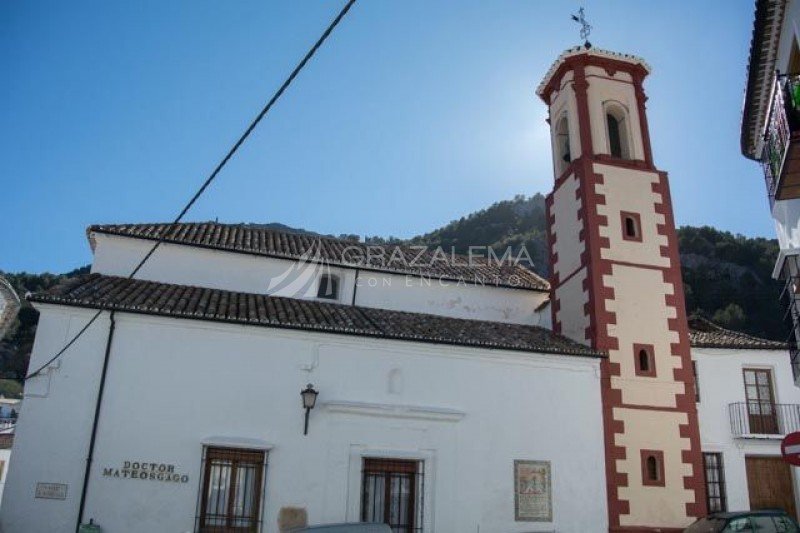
(304, 233)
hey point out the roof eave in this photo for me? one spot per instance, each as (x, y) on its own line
(767, 22)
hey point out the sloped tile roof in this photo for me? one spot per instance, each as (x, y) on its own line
(767, 27)
(705, 334)
(181, 301)
(258, 240)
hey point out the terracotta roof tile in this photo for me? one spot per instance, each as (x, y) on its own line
(148, 297)
(705, 334)
(258, 240)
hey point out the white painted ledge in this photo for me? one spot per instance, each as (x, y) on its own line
(394, 410)
(238, 442)
(760, 436)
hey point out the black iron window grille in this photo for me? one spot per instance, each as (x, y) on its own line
(231, 490)
(790, 299)
(392, 493)
(715, 482)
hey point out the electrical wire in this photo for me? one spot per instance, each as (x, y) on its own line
(212, 176)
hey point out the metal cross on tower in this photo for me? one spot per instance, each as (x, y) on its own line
(586, 28)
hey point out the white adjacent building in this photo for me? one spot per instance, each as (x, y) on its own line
(453, 395)
(747, 403)
(770, 134)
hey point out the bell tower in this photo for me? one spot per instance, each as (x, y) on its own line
(616, 285)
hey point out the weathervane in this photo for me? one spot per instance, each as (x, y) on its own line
(586, 29)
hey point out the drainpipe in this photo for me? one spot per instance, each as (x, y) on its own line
(355, 288)
(90, 455)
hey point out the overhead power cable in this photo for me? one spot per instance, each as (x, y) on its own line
(162, 237)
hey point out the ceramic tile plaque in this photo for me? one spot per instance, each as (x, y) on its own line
(533, 494)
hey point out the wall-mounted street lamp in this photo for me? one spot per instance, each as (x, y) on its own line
(309, 401)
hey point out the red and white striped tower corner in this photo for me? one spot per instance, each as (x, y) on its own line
(616, 285)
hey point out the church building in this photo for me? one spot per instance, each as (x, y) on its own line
(245, 375)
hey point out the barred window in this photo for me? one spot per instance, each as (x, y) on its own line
(392, 493)
(232, 486)
(715, 482)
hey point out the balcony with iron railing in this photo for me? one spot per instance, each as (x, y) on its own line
(780, 156)
(762, 419)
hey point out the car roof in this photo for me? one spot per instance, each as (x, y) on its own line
(737, 514)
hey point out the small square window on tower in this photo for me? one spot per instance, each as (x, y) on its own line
(652, 468)
(644, 360)
(631, 226)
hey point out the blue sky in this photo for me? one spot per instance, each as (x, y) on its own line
(413, 114)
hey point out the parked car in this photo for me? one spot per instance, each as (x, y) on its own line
(345, 528)
(768, 521)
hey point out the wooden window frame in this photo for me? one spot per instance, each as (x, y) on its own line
(372, 466)
(651, 356)
(659, 457)
(720, 470)
(235, 456)
(637, 221)
(767, 417)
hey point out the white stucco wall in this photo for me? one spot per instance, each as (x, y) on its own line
(5, 460)
(450, 298)
(172, 384)
(721, 383)
(786, 215)
(188, 265)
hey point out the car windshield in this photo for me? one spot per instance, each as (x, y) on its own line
(706, 525)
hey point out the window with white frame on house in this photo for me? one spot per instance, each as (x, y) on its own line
(392, 493)
(715, 482)
(230, 498)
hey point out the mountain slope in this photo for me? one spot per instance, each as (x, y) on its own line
(726, 277)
